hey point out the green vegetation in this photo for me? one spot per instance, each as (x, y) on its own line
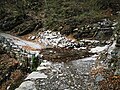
(60, 12)
(56, 13)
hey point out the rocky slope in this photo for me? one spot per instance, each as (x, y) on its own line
(60, 31)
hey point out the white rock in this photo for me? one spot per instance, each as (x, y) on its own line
(8, 87)
(114, 24)
(41, 55)
(94, 57)
(42, 68)
(53, 70)
(33, 38)
(113, 27)
(27, 85)
(29, 56)
(92, 41)
(98, 49)
(76, 29)
(35, 52)
(111, 48)
(45, 64)
(36, 75)
(61, 74)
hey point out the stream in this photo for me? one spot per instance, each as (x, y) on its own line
(72, 75)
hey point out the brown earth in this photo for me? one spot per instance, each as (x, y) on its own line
(63, 54)
(10, 73)
(112, 83)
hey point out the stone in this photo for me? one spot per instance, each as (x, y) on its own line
(42, 68)
(33, 37)
(36, 75)
(99, 78)
(27, 85)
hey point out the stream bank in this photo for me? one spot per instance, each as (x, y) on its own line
(85, 72)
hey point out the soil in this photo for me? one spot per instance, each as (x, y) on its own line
(10, 73)
(63, 54)
(112, 83)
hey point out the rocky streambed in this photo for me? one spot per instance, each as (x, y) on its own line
(55, 62)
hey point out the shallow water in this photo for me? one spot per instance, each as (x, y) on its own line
(73, 75)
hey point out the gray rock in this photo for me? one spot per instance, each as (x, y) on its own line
(27, 85)
(99, 78)
(36, 75)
